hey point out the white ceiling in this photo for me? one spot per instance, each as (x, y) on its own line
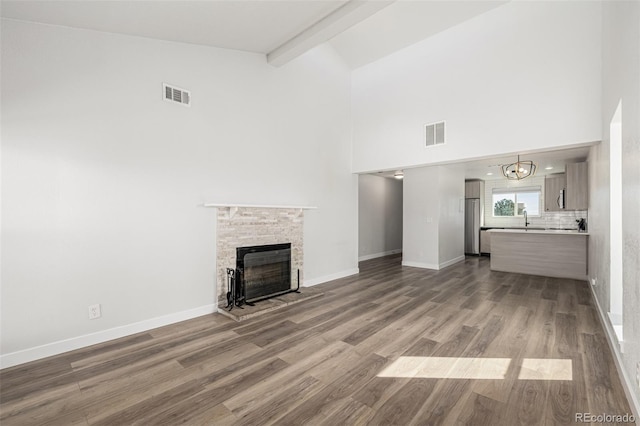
(554, 159)
(401, 24)
(258, 26)
(547, 162)
(361, 31)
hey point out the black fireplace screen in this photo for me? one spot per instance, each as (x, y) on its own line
(264, 271)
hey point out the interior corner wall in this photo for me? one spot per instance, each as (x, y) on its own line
(420, 214)
(620, 82)
(523, 76)
(379, 216)
(451, 223)
(103, 181)
(433, 216)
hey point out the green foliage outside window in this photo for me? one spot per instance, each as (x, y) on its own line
(503, 207)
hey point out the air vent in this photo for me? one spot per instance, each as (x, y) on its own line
(175, 94)
(434, 134)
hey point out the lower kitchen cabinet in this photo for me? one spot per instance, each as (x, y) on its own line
(560, 254)
(485, 242)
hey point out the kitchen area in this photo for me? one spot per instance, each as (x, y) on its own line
(528, 222)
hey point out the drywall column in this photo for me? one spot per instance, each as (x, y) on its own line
(433, 217)
(451, 222)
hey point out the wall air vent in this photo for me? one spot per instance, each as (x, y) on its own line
(175, 94)
(434, 134)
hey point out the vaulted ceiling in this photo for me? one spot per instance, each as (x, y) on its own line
(360, 30)
(254, 26)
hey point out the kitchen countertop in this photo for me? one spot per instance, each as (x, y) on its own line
(540, 231)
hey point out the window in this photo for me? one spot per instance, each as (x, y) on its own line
(514, 202)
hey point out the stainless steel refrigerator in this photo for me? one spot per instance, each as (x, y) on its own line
(472, 226)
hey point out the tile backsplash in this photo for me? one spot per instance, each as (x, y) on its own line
(564, 219)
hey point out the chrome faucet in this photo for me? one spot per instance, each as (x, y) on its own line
(526, 222)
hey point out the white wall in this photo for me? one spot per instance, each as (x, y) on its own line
(102, 180)
(621, 81)
(433, 216)
(379, 216)
(523, 76)
(451, 221)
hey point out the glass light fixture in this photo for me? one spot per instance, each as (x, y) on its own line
(518, 170)
(398, 175)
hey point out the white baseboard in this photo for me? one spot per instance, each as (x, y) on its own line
(331, 277)
(377, 255)
(433, 265)
(56, 348)
(452, 262)
(420, 265)
(615, 345)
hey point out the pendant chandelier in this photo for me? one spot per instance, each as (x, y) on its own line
(518, 170)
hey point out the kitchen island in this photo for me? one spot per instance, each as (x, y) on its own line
(550, 253)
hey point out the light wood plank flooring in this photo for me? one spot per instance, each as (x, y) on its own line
(323, 361)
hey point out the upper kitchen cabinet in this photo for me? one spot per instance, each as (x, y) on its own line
(554, 188)
(569, 190)
(474, 189)
(577, 194)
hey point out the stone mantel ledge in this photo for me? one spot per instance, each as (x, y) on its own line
(258, 206)
(233, 208)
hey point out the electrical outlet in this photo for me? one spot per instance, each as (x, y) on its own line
(94, 311)
(594, 281)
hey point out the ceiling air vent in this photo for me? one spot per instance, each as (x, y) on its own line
(434, 134)
(175, 94)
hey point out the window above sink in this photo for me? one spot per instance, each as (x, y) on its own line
(513, 202)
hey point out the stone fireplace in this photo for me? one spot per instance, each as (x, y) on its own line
(251, 226)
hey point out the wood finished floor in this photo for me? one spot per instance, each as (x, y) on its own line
(318, 362)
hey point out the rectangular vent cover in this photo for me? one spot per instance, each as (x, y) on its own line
(434, 134)
(175, 94)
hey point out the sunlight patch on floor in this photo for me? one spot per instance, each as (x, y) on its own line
(422, 367)
(447, 368)
(546, 369)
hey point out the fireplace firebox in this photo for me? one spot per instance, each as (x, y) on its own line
(261, 272)
(264, 271)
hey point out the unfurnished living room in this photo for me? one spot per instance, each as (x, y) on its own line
(330, 212)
